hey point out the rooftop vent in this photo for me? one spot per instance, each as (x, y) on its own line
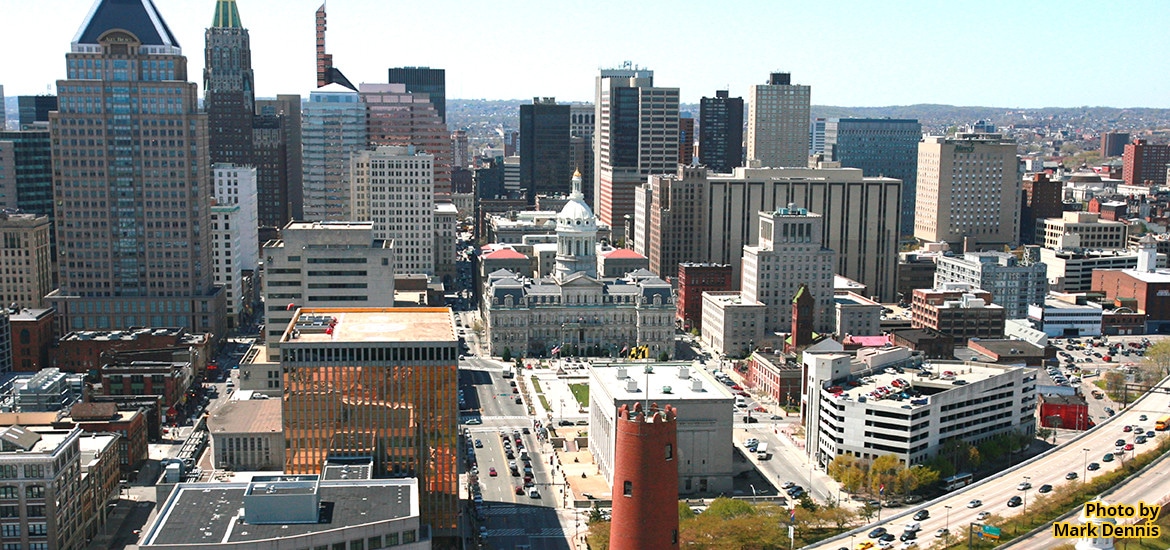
(684, 373)
(666, 389)
(621, 373)
(697, 385)
(632, 385)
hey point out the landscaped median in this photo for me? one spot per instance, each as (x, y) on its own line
(1045, 509)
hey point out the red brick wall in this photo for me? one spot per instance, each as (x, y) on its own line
(647, 519)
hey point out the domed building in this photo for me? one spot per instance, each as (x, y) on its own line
(573, 311)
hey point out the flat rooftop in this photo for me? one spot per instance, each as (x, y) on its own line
(936, 378)
(663, 375)
(404, 324)
(246, 416)
(212, 513)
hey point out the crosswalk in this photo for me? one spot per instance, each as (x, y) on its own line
(520, 532)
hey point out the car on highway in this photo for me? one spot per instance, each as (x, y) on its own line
(1127, 429)
(788, 485)
(1143, 418)
(533, 493)
(1093, 466)
(982, 516)
(478, 444)
(520, 489)
(912, 527)
(908, 535)
(1107, 458)
(975, 503)
(941, 533)
(878, 532)
(1023, 486)
(1046, 488)
(1014, 501)
(1139, 439)
(922, 515)
(492, 472)
(1128, 447)
(473, 421)
(519, 401)
(1119, 443)
(864, 545)
(1070, 475)
(776, 417)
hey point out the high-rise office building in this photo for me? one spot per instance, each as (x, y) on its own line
(880, 147)
(229, 94)
(333, 126)
(1113, 143)
(545, 165)
(141, 254)
(397, 117)
(326, 72)
(790, 255)
(778, 119)
(636, 136)
(686, 139)
(394, 187)
(376, 384)
(1144, 163)
(1043, 198)
(968, 191)
(460, 154)
(1014, 283)
(721, 132)
(582, 117)
(26, 170)
(668, 209)
(236, 245)
(33, 109)
(424, 80)
(324, 264)
(816, 136)
(276, 153)
(860, 218)
(25, 278)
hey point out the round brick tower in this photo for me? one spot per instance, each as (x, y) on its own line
(645, 480)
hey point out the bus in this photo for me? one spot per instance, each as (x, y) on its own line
(957, 481)
(1162, 424)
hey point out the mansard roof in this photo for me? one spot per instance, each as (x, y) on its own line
(138, 17)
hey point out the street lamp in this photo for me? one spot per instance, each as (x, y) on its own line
(1027, 480)
(1084, 465)
(948, 518)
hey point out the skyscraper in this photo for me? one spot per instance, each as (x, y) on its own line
(395, 116)
(790, 254)
(545, 165)
(721, 132)
(276, 153)
(32, 109)
(778, 122)
(333, 127)
(686, 139)
(424, 80)
(880, 147)
(140, 254)
(228, 86)
(326, 72)
(637, 135)
(394, 187)
(968, 191)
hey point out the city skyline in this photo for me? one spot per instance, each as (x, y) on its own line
(908, 54)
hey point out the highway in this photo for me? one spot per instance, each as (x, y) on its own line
(1072, 458)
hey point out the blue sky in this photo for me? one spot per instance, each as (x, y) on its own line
(852, 53)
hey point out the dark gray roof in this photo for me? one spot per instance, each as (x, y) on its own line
(20, 437)
(203, 513)
(139, 17)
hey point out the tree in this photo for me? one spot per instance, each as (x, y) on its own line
(684, 511)
(973, 456)
(884, 472)
(1158, 356)
(1044, 433)
(507, 356)
(807, 502)
(664, 356)
(1114, 381)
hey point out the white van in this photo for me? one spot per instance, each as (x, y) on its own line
(739, 402)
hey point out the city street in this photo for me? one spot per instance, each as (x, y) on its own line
(509, 519)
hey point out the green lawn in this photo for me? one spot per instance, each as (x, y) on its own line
(536, 385)
(581, 392)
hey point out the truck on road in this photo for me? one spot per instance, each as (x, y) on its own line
(762, 451)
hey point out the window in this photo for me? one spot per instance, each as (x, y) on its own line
(34, 470)
(9, 491)
(392, 539)
(408, 536)
(35, 510)
(34, 491)
(628, 488)
(8, 471)
(10, 530)
(374, 543)
(37, 529)
(669, 451)
(357, 545)
(9, 511)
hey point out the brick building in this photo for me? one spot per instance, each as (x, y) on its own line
(958, 310)
(32, 337)
(775, 377)
(168, 379)
(1145, 162)
(1070, 412)
(693, 280)
(82, 351)
(1147, 287)
(105, 417)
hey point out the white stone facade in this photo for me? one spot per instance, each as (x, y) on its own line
(235, 243)
(790, 254)
(394, 187)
